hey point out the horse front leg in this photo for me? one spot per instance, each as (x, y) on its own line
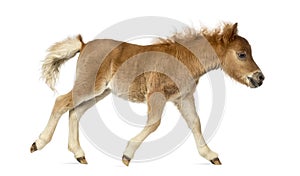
(156, 103)
(188, 111)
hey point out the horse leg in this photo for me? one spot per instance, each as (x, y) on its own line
(156, 103)
(62, 104)
(188, 111)
(74, 117)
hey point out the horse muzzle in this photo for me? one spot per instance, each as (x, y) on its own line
(256, 79)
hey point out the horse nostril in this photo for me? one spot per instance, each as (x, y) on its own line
(260, 76)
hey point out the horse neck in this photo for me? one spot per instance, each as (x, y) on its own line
(204, 54)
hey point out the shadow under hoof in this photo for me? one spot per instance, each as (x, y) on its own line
(81, 160)
(126, 160)
(33, 148)
(216, 161)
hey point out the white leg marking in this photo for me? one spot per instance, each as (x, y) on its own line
(73, 143)
(74, 117)
(156, 103)
(188, 111)
(59, 108)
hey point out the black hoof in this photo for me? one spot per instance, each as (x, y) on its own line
(82, 160)
(126, 160)
(216, 161)
(33, 148)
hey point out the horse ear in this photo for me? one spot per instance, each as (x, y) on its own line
(229, 32)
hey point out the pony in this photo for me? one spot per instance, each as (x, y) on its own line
(167, 70)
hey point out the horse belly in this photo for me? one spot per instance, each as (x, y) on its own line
(135, 91)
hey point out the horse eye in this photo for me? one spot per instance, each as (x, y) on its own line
(242, 55)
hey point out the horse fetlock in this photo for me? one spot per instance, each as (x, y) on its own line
(41, 143)
(208, 154)
(76, 150)
(78, 153)
(131, 148)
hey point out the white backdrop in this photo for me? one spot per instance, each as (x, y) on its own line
(259, 133)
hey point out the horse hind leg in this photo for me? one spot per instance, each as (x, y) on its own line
(74, 117)
(62, 104)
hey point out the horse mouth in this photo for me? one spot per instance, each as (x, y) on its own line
(254, 83)
(255, 79)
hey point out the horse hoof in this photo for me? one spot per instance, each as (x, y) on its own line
(126, 160)
(82, 160)
(216, 161)
(33, 148)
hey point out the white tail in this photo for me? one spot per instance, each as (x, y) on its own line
(58, 54)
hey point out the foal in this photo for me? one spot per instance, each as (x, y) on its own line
(168, 70)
